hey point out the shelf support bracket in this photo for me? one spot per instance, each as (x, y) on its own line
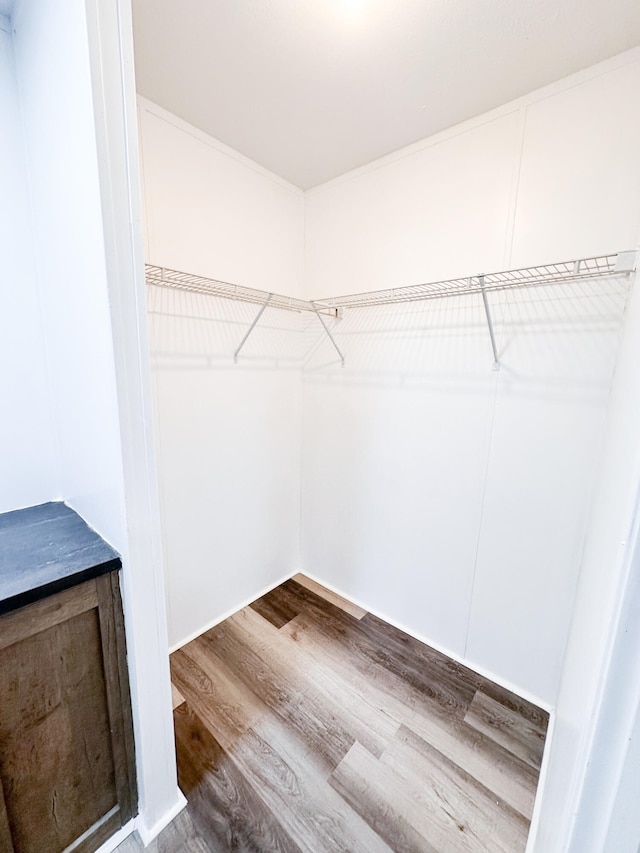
(329, 335)
(252, 327)
(487, 311)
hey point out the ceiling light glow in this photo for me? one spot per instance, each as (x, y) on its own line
(354, 8)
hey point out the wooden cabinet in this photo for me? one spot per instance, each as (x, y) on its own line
(67, 770)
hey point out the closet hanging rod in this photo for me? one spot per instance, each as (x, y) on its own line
(602, 266)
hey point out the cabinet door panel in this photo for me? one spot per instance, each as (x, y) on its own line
(6, 844)
(56, 764)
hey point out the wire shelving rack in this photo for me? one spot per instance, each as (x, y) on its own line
(584, 269)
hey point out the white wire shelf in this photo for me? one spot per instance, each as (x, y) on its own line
(602, 266)
(599, 267)
(163, 277)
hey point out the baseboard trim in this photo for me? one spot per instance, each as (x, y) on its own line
(232, 612)
(147, 834)
(118, 837)
(542, 781)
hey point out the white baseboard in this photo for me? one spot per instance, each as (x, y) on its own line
(229, 613)
(542, 780)
(147, 834)
(118, 837)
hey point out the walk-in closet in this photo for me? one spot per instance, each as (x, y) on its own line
(399, 381)
(325, 318)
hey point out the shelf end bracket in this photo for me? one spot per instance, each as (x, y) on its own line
(626, 261)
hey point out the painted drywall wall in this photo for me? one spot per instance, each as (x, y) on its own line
(52, 64)
(451, 499)
(480, 197)
(229, 451)
(28, 452)
(427, 489)
(210, 211)
(228, 435)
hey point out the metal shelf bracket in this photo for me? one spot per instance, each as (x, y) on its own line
(330, 336)
(487, 311)
(252, 327)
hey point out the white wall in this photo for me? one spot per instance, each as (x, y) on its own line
(212, 212)
(451, 499)
(228, 435)
(541, 179)
(55, 87)
(28, 452)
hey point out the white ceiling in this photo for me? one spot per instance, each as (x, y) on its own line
(312, 88)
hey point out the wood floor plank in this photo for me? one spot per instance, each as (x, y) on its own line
(332, 700)
(389, 645)
(506, 727)
(176, 697)
(370, 790)
(499, 770)
(535, 716)
(276, 607)
(387, 649)
(276, 764)
(280, 687)
(510, 779)
(275, 760)
(456, 812)
(203, 682)
(224, 808)
(332, 597)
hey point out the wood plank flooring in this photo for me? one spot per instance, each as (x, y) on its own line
(304, 723)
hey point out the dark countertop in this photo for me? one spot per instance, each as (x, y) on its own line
(45, 549)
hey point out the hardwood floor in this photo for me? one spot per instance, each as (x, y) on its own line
(304, 723)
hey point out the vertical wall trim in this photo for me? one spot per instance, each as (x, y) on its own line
(111, 53)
